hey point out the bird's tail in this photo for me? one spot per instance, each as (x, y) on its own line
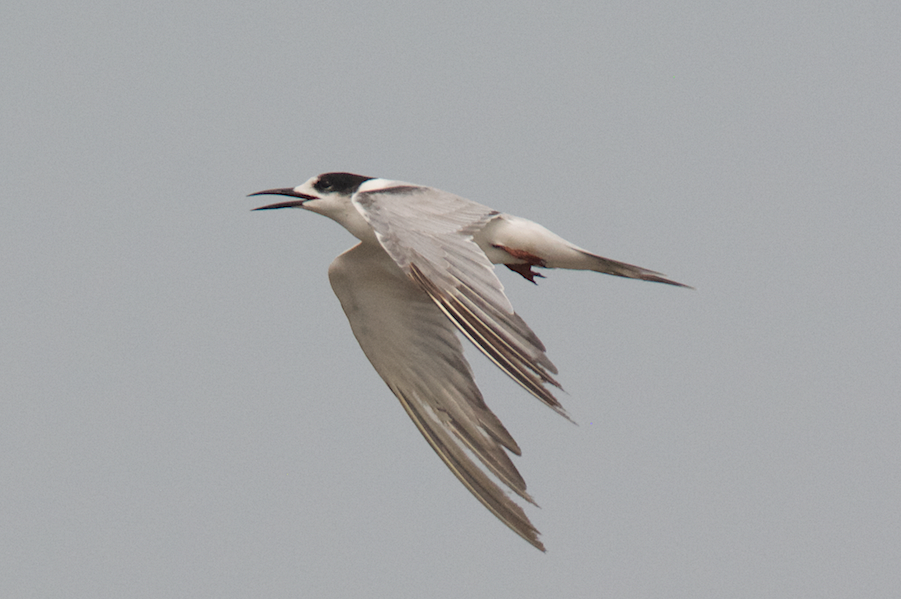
(621, 269)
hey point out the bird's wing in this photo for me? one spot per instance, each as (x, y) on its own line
(415, 350)
(429, 235)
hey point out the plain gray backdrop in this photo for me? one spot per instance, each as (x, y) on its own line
(185, 412)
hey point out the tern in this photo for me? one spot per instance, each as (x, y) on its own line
(424, 269)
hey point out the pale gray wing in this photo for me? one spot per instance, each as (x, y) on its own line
(428, 233)
(416, 351)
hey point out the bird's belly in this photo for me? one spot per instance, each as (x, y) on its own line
(499, 256)
(508, 239)
(495, 236)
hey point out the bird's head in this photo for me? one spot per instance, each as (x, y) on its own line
(322, 194)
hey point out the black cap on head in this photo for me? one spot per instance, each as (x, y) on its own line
(339, 182)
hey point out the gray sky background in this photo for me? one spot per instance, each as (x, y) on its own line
(185, 412)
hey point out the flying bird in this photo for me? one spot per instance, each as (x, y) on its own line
(422, 271)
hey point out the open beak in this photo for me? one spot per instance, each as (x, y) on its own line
(286, 191)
